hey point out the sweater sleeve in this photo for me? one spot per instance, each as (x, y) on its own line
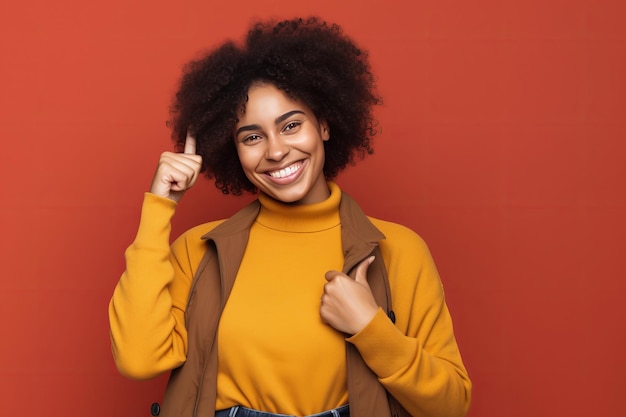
(146, 312)
(417, 359)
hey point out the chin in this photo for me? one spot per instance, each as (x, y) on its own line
(288, 199)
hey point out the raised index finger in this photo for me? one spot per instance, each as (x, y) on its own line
(190, 144)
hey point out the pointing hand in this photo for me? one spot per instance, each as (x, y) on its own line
(177, 172)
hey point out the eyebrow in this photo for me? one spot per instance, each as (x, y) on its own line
(278, 120)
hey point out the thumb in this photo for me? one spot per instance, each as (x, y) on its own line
(330, 275)
(190, 144)
(361, 270)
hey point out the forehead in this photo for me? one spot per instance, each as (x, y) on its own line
(266, 100)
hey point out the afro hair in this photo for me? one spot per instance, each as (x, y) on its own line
(309, 60)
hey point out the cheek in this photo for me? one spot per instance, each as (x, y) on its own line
(318, 147)
(248, 157)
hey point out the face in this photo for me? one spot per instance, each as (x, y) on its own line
(280, 144)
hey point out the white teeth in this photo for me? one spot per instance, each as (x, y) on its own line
(285, 171)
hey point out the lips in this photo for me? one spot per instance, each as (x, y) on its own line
(286, 172)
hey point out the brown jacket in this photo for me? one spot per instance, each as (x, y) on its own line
(192, 388)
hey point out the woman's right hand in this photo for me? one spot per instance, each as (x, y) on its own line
(177, 172)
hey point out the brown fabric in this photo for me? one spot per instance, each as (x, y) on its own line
(192, 389)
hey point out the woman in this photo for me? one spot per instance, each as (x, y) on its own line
(298, 304)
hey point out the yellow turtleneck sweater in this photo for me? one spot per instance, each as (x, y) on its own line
(275, 354)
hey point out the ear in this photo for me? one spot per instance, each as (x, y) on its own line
(324, 130)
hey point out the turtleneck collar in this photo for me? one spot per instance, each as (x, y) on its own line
(301, 218)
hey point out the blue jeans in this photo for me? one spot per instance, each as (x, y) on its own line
(237, 411)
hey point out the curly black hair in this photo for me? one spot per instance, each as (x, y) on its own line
(308, 59)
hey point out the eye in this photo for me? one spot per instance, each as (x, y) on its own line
(251, 139)
(291, 126)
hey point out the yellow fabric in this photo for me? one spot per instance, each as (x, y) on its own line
(417, 360)
(275, 354)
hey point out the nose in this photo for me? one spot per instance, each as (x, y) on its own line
(277, 148)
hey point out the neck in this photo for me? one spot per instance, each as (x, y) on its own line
(301, 217)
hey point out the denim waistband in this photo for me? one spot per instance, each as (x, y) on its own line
(237, 411)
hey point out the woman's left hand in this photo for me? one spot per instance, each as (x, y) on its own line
(347, 304)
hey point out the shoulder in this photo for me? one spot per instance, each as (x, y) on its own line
(196, 232)
(402, 247)
(399, 235)
(189, 248)
(240, 221)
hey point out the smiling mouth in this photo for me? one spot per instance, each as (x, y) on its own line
(287, 171)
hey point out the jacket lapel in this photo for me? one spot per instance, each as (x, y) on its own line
(367, 397)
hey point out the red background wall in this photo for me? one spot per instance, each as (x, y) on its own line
(503, 145)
